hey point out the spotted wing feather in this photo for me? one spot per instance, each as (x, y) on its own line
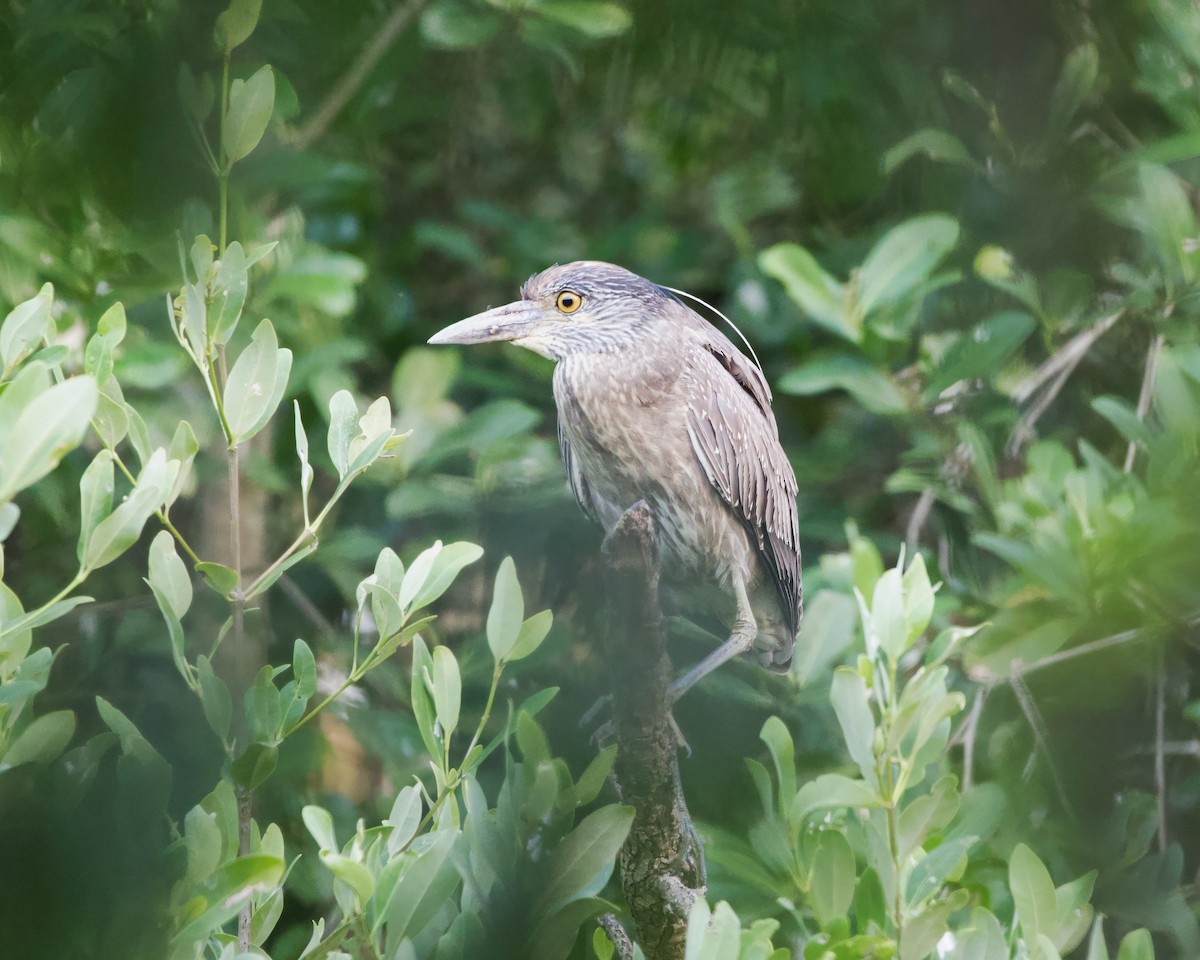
(737, 445)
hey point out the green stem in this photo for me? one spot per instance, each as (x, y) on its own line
(161, 514)
(309, 532)
(15, 625)
(487, 712)
(223, 172)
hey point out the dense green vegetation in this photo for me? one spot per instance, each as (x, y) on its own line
(963, 239)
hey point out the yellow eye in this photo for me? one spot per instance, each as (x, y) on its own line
(568, 301)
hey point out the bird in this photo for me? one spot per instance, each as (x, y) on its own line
(657, 404)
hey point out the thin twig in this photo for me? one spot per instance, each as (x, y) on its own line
(1160, 765)
(1068, 353)
(337, 98)
(970, 730)
(1038, 726)
(617, 934)
(916, 521)
(1059, 367)
(1143, 404)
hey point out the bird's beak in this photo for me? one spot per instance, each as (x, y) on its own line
(510, 322)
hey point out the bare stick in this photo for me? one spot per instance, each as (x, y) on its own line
(337, 98)
(1143, 404)
(1160, 763)
(662, 865)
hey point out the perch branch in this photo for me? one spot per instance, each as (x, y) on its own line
(662, 865)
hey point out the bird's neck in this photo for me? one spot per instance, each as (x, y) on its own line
(634, 376)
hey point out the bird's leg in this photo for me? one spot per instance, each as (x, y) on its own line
(741, 639)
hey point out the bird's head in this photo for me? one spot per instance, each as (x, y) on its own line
(582, 307)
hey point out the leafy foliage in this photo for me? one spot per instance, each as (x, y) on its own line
(964, 240)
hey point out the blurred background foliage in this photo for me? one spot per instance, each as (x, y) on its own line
(962, 237)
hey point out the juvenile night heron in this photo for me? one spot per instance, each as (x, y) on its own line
(656, 404)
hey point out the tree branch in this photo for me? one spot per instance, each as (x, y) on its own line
(662, 864)
(337, 98)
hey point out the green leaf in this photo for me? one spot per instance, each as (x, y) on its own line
(446, 686)
(183, 448)
(48, 427)
(592, 780)
(255, 766)
(1122, 415)
(25, 326)
(427, 882)
(32, 380)
(869, 385)
(1167, 221)
(831, 791)
(982, 938)
(1033, 893)
(923, 931)
(111, 420)
(226, 892)
(264, 707)
(938, 145)
(533, 632)
(40, 616)
(903, 260)
(981, 351)
(228, 294)
(775, 735)
(342, 413)
(304, 669)
(1097, 946)
(583, 860)
(121, 529)
(1074, 912)
(169, 574)
(601, 945)
(887, 629)
(712, 935)
(531, 740)
(353, 874)
(221, 578)
(417, 574)
(833, 877)
(1074, 86)
(95, 498)
(306, 470)
(455, 26)
(42, 741)
(814, 291)
(447, 565)
(850, 703)
(214, 699)
(918, 600)
(320, 825)
(405, 819)
(1137, 945)
(592, 18)
(250, 105)
(507, 611)
(256, 383)
(235, 25)
(422, 705)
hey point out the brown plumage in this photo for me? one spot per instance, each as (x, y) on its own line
(655, 403)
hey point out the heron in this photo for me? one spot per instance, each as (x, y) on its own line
(656, 404)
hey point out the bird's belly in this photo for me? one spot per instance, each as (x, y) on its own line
(624, 461)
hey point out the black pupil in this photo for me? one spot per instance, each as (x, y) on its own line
(568, 301)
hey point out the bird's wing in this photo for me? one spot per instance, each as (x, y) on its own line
(736, 441)
(575, 477)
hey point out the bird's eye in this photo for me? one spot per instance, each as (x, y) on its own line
(568, 301)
